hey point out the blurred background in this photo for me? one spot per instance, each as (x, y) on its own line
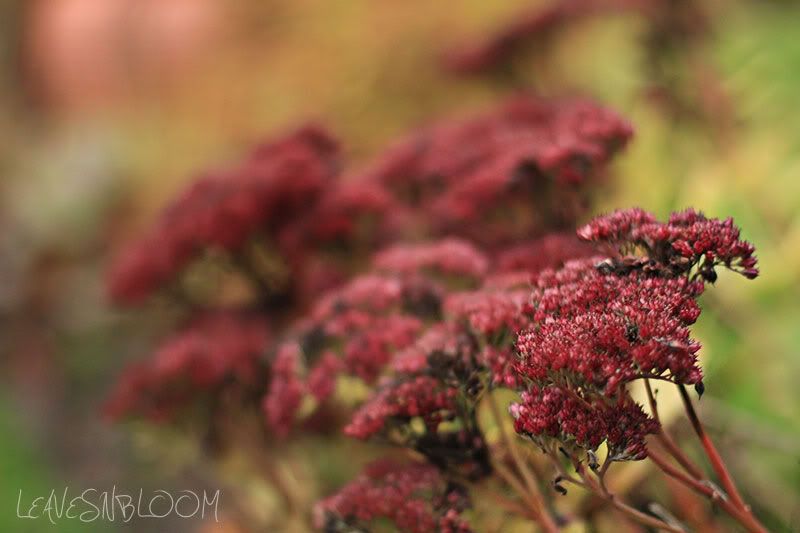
(107, 107)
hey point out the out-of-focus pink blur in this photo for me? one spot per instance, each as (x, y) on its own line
(82, 54)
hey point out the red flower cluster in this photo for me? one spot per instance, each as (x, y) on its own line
(455, 178)
(605, 330)
(529, 30)
(286, 389)
(412, 311)
(687, 241)
(492, 313)
(274, 186)
(413, 274)
(222, 349)
(549, 251)
(560, 414)
(437, 346)
(473, 178)
(293, 379)
(365, 322)
(421, 396)
(414, 498)
(600, 323)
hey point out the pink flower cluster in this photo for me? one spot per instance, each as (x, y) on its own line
(293, 378)
(415, 498)
(549, 251)
(447, 257)
(286, 390)
(365, 321)
(414, 310)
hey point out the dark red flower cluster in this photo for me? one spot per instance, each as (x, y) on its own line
(605, 330)
(275, 185)
(495, 316)
(365, 322)
(555, 412)
(687, 242)
(420, 396)
(413, 308)
(530, 29)
(412, 275)
(549, 251)
(491, 313)
(286, 390)
(437, 346)
(213, 351)
(599, 323)
(480, 178)
(414, 498)
(294, 380)
(467, 178)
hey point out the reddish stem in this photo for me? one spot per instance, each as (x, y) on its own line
(713, 455)
(630, 512)
(719, 466)
(747, 520)
(669, 445)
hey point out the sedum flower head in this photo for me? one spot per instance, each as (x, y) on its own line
(414, 498)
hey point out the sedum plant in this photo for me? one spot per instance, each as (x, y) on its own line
(401, 303)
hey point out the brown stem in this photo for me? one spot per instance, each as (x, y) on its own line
(626, 509)
(272, 474)
(666, 441)
(562, 474)
(641, 517)
(512, 481)
(548, 523)
(512, 506)
(601, 472)
(481, 491)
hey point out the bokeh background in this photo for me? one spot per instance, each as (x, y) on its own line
(108, 106)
